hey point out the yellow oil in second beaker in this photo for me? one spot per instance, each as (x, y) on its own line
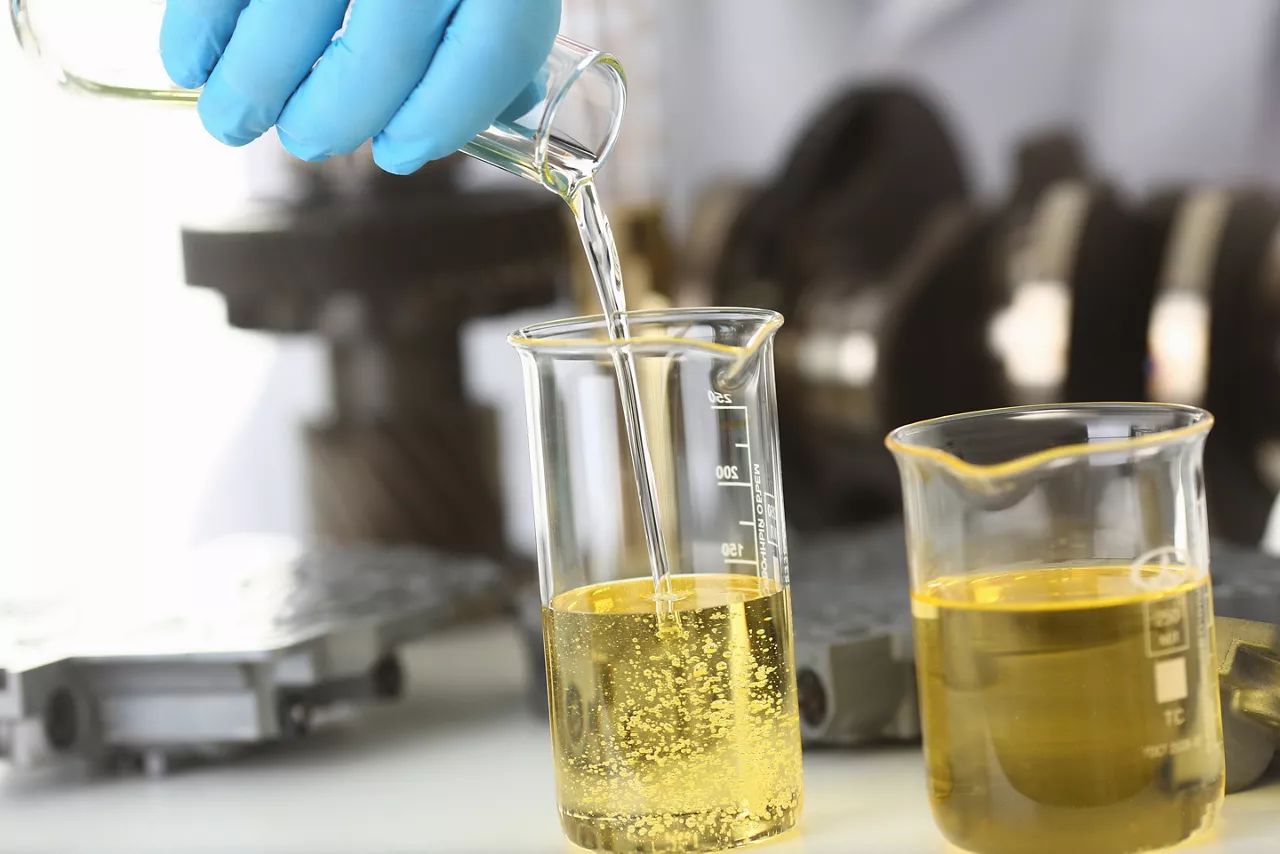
(675, 725)
(1069, 709)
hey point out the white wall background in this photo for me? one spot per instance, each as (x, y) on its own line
(132, 420)
(1165, 88)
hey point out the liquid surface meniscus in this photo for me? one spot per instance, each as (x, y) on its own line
(1069, 710)
(674, 723)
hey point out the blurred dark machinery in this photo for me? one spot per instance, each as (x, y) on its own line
(387, 271)
(907, 298)
(1213, 343)
(855, 661)
(1246, 593)
(825, 243)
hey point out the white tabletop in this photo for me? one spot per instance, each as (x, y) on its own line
(462, 766)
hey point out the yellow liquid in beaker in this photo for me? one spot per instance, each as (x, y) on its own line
(675, 727)
(1069, 710)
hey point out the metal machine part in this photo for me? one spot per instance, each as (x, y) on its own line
(863, 290)
(1208, 330)
(859, 358)
(1178, 330)
(861, 185)
(1249, 672)
(856, 188)
(860, 364)
(1246, 592)
(1262, 331)
(1109, 301)
(855, 662)
(1077, 290)
(388, 271)
(1066, 292)
(247, 644)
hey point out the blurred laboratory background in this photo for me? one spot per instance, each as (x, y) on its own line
(294, 378)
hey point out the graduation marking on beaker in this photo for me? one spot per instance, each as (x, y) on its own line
(731, 473)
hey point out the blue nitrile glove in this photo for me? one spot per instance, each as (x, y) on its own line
(419, 77)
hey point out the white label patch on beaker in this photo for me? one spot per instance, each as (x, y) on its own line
(1167, 622)
(1167, 629)
(1171, 680)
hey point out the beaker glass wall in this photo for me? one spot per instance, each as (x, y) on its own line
(674, 716)
(1064, 626)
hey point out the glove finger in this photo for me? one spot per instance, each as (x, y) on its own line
(490, 52)
(193, 36)
(274, 46)
(364, 76)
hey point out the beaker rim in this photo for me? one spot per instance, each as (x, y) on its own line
(566, 334)
(591, 58)
(1199, 421)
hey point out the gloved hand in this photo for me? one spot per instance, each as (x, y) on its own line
(419, 77)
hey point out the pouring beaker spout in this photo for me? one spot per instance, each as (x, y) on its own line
(1067, 475)
(992, 445)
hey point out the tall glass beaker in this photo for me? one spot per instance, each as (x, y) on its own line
(1059, 564)
(674, 717)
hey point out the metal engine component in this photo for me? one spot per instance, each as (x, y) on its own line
(864, 181)
(1246, 594)
(247, 644)
(1067, 291)
(1249, 670)
(855, 662)
(1210, 325)
(388, 271)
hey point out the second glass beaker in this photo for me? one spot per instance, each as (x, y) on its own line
(1063, 626)
(674, 717)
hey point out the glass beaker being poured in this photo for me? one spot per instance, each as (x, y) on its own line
(558, 132)
(1059, 563)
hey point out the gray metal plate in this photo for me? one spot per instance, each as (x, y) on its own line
(247, 597)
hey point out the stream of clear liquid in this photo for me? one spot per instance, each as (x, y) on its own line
(602, 256)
